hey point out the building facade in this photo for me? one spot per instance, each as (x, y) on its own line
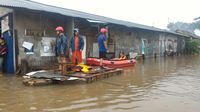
(30, 35)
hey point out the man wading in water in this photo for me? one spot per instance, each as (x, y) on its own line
(103, 48)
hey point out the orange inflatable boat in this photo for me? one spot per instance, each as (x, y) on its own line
(111, 63)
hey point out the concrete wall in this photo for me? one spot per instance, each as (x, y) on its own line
(171, 42)
(151, 41)
(124, 39)
(31, 27)
(180, 45)
(156, 43)
(129, 40)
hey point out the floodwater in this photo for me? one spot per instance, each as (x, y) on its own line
(161, 85)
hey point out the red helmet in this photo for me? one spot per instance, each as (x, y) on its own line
(103, 30)
(59, 28)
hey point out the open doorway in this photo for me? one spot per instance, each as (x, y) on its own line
(7, 33)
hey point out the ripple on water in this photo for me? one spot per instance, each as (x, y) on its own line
(162, 86)
(85, 100)
(67, 108)
(2, 104)
(33, 108)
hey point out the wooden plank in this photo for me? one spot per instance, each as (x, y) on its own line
(99, 76)
(83, 77)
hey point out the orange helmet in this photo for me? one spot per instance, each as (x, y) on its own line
(103, 30)
(59, 28)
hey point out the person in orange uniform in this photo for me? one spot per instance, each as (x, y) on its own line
(76, 45)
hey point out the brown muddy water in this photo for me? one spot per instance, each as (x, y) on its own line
(162, 85)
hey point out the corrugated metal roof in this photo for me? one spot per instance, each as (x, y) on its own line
(197, 18)
(68, 12)
(31, 5)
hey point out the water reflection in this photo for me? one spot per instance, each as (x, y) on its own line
(164, 84)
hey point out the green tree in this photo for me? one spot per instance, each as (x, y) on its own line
(192, 47)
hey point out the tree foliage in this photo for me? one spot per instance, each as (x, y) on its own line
(190, 27)
(192, 47)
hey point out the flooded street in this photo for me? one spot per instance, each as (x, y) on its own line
(161, 85)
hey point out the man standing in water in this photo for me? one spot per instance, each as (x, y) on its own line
(76, 45)
(61, 46)
(102, 42)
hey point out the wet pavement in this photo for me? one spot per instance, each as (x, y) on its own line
(161, 85)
